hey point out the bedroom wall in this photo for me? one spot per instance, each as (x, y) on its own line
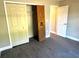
(73, 18)
(4, 37)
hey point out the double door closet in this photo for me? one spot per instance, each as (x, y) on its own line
(24, 22)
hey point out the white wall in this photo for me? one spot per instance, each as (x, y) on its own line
(53, 18)
(47, 20)
(73, 18)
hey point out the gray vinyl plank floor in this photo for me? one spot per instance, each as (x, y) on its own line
(53, 47)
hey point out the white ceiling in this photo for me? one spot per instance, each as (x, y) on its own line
(56, 1)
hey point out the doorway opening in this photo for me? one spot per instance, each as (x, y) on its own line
(58, 20)
(38, 22)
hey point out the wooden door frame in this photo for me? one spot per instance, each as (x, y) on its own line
(7, 17)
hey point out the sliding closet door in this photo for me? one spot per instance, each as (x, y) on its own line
(18, 23)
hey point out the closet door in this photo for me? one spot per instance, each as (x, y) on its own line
(18, 23)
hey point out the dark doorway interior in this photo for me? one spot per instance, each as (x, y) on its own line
(35, 22)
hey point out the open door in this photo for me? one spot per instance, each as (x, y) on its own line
(62, 16)
(39, 22)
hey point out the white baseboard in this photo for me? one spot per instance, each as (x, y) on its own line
(5, 48)
(47, 36)
(58, 34)
(73, 38)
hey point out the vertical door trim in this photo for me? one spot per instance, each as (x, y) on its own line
(7, 23)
